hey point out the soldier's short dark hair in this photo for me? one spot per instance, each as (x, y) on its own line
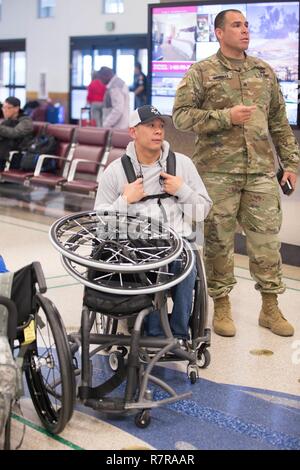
(220, 18)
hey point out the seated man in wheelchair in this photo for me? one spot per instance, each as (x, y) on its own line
(152, 180)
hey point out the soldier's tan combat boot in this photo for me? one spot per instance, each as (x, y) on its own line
(222, 320)
(272, 318)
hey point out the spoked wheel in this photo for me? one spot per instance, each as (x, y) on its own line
(48, 369)
(122, 243)
(148, 282)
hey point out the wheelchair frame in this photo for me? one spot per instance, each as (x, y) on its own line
(70, 235)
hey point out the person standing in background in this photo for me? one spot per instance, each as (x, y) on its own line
(139, 86)
(233, 103)
(116, 100)
(95, 95)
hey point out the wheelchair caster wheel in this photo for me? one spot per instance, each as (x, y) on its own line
(113, 360)
(203, 359)
(123, 351)
(193, 377)
(142, 419)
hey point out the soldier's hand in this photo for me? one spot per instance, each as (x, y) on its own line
(134, 192)
(292, 177)
(171, 183)
(241, 114)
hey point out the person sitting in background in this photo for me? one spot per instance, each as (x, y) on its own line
(16, 131)
(116, 100)
(95, 94)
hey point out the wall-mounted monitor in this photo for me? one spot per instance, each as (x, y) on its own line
(183, 33)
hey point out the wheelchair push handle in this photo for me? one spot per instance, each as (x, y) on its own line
(40, 278)
(12, 316)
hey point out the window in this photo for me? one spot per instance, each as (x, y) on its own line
(46, 8)
(113, 6)
(13, 75)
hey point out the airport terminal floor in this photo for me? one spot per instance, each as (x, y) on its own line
(247, 398)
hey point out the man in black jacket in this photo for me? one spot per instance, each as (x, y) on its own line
(15, 131)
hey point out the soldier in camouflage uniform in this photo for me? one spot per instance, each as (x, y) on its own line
(233, 103)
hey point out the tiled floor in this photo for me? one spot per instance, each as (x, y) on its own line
(243, 400)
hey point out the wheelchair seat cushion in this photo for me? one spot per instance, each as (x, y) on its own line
(115, 305)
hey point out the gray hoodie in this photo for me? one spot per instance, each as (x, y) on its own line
(191, 202)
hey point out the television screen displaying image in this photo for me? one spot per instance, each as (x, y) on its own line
(182, 34)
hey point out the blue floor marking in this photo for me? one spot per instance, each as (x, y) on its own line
(218, 416)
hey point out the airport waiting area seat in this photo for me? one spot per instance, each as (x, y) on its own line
(65, 134)
(17, 175)
(91, 143)
(118, 143)
(82, 155)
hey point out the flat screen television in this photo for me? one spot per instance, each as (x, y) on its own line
(183, 33)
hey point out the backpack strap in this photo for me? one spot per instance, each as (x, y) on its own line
(130, 173)
(131, 176)
(128, 168)
(171, 163)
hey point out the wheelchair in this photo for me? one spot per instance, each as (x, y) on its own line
(122, 260)
(40, 347)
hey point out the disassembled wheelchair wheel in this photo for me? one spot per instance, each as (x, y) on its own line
(115, 242)
(151, 281)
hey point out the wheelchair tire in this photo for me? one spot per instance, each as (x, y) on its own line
(142, 419)
(198, 320)
(203, 359)
(7, 430)
(49, 370)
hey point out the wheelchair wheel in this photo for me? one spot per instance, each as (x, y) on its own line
(127, 243)
(7, 430)
(143, 419)
(203, 358)
(198, 318)
(49, 370)
(149, 282)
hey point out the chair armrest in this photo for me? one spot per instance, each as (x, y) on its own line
(75, 164)
(12, 153)
(40, 162)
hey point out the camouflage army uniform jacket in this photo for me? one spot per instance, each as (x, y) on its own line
(202, 104)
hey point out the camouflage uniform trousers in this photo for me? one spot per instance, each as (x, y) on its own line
(253, 201)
